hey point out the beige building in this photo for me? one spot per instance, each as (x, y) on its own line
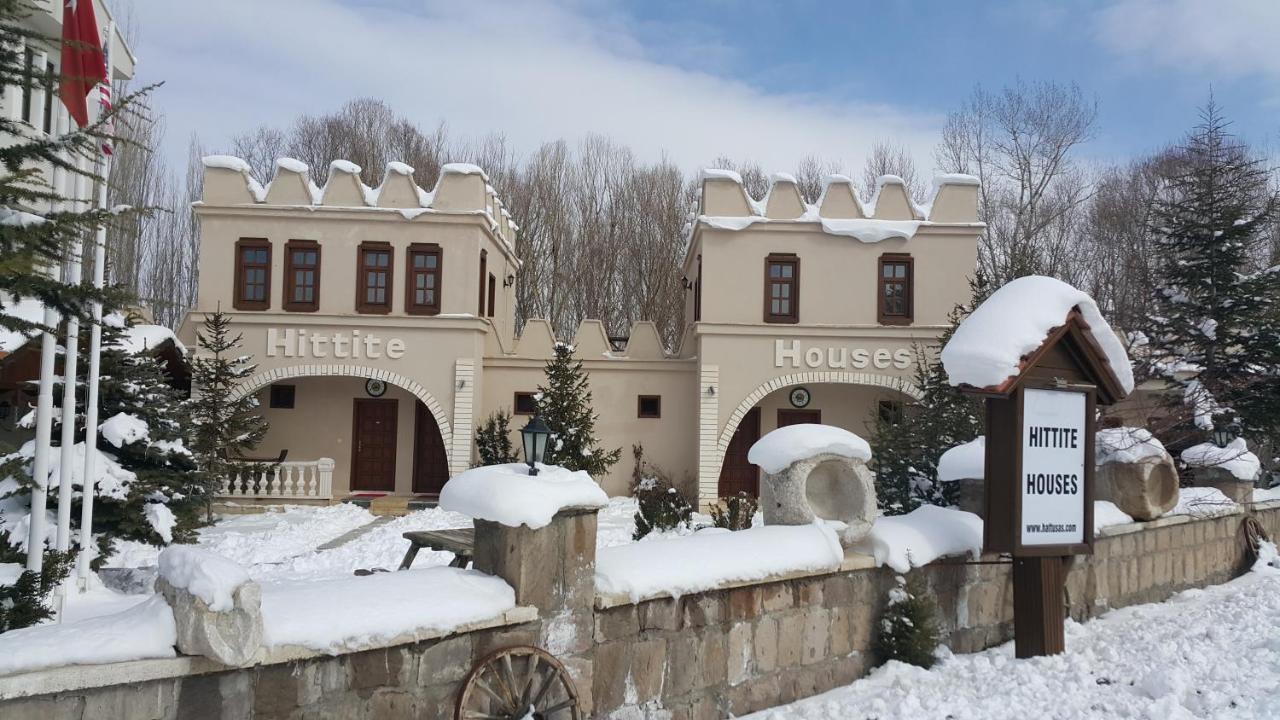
(382, 322)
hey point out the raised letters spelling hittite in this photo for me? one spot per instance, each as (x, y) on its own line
(312, 344)
(1053, 467)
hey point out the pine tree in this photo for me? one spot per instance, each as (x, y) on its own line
(1215, 333)
(224, 427)
(26, 602)
(908, 628)
(31, 243)
(493, 440)
(565, 405)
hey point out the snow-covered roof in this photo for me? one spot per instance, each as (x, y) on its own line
(508, 495)
(780, 448)
(1235, 458)
(1127, 445)
(25, 310)
(964, 462)
(991, 344)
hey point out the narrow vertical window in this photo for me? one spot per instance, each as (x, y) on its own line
(484, 272)
(782, 289)
(422, 294)
(896, 289)
(373, 283)
(28, 82)
(253, 274)
(49, 85)
(302, 276)
(493, 294)
(697, 293)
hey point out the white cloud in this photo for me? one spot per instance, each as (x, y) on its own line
(1228, 39)
(532, 71)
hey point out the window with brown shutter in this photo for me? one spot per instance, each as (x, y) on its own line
(253, 274)
(422, 284)
(484, 272)
(302, 276)
(697, 293)
(782, 288)
(895, 301)
(493, 294)
(373, 284)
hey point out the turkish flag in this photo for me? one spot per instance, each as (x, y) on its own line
(82, 64)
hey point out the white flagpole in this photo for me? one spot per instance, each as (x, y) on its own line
(44, 430)
(70, 361)
(95, 353)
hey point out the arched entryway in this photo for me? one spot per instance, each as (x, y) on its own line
(848, 400)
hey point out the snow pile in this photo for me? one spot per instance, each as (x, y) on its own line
(227, 162)
(1211, 653)
(964, 462)
(110, 478)
(9, 573)
(161, 519)
(869, 230)
(144, 631)
(786, 445)
(989, 345)
(1106, 514)
(1127, 445)
(922, 536)
(713, 558)
(398, 168)
(25, 310)
(292, 165)
(507, 494)
(719, 174)
(1203, 502)
(1235, 458)
(463, 169)
(208, 576)
(319, 614)
(124, 428)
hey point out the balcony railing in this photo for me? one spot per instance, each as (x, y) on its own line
(291, 480)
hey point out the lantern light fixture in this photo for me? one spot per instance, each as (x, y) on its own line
(534, 436)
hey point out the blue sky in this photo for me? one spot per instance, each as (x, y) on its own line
(769, 81)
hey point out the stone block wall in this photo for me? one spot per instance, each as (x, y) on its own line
(703, 656)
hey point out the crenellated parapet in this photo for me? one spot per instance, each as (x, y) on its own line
(890, 212)
(461, 189)
(538, 341)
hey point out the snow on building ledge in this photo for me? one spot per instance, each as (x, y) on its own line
(462, 188)
(891, 212)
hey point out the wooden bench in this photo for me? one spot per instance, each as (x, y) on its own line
(461, 542)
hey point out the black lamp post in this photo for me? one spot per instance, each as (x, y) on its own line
(1224, 433)
(534, 436)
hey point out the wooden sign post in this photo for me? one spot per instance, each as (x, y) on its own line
(1039, 475)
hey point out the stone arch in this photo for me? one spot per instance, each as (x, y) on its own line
(817, 376)
(267, 377)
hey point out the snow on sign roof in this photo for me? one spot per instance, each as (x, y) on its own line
(991, 344)
(786, 445)
(508, 495)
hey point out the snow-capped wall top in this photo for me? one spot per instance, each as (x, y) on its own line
(292, 165)
(780, 448)
(226, 162)
(1127, 445)
(508, 495)
(345, 166)
(964, 462)
(990, 345)
(1235, 458)
(463, 169)
(720, 174)
(398, 167)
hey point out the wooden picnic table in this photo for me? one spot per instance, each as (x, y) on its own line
(460, 541)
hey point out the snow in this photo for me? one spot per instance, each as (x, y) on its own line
(292, 165)
(111, 479)
(227, 162)
(344, 166)
(1203, 502)
(781, 177)
(719, 174)
(712, 558)
(780, 448)
(922, 536)
(209, 576)
(990, 344)
(143, 337)
(463, 169)
(964, 462)
(1127, 445)
(146, 630)
(161, 519)
(19, 218)
(870, 230)
(124, 428)
(1211, 653)
(507, 494)
(26, 310)
(955, 179)
(1266, 494)
(1235, 458)
(9, 573)
(319, 614)
(399, 168)
(1106, 514)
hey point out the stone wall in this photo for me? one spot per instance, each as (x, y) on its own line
(734, 650)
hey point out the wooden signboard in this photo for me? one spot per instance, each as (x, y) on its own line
(1039, 475)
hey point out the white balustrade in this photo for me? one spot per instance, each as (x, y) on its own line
(290, 480)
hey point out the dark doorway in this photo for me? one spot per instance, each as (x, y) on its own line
(737, 474)
(798, 417)
(430, 466)
(373, 445)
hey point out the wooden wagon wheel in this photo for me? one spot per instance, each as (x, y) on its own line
(518, 682)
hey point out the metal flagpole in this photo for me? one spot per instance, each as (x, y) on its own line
(95, 349)
(44, 429)
(70, 360)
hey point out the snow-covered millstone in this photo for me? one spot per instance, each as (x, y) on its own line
(965, 465)
(989, 346)
(1231, 469)
(509, 495)
(1135, 473)
(216, 607)
(816, 471)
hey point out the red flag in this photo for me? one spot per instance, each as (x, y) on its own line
(82, 62)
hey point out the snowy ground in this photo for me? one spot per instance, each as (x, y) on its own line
(1212, 653)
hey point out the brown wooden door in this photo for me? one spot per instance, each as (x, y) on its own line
(373, 452)
(737, 474)
(798, 417)
(430, 466)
